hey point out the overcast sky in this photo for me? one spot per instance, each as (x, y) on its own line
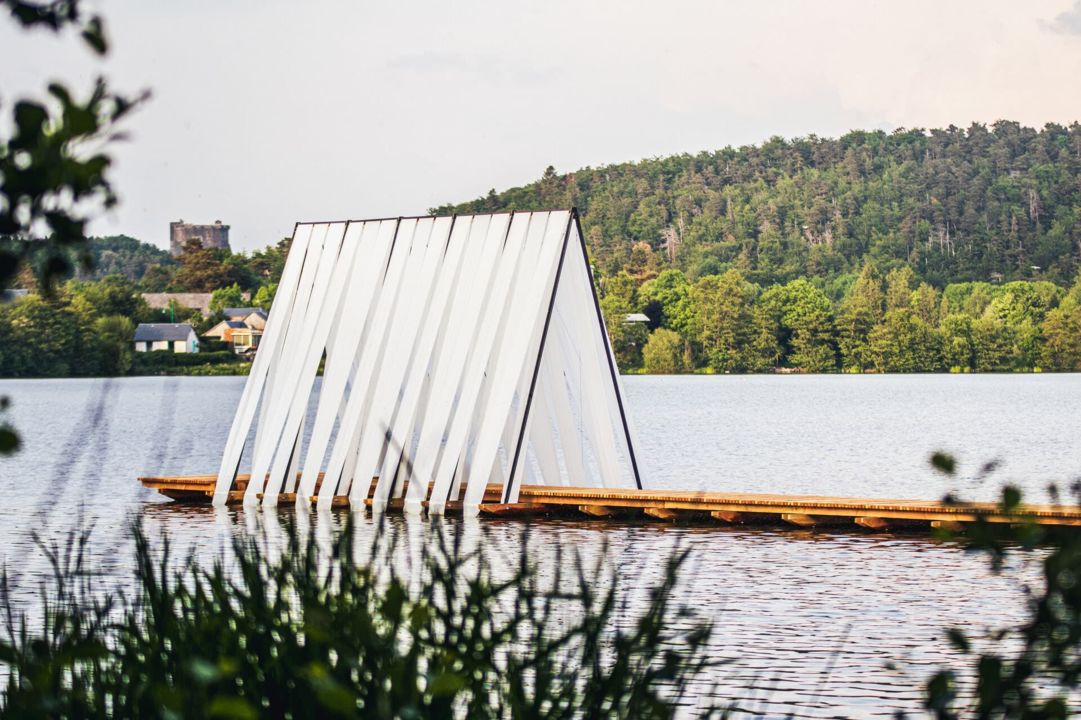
(265, 113)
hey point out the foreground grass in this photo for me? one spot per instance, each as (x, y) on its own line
(299, 632)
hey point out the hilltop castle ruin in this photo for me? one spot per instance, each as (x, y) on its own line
(210, 236)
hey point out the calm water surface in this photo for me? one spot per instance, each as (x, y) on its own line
(812, 624)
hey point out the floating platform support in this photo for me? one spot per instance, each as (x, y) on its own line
(718, 508)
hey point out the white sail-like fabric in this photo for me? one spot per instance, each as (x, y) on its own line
(462, 356)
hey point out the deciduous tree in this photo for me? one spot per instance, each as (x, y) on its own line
(801, 317)
(905, 343)
(229, 296)
(723, 319)
(667, 302)
(663, 353)
(115, 337)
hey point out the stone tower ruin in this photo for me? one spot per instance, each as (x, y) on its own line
(210, 236)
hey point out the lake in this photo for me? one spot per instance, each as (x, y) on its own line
(812, 624)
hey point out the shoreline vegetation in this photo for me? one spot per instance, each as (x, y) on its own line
(721, 324)
(944, 250)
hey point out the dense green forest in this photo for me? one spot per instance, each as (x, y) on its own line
(906, 251)
(954, 204)
(909, 251)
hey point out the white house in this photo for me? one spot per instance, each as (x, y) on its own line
(178, 337)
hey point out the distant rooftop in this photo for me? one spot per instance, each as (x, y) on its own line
(195, 301)
(156, 332)
(242, 312)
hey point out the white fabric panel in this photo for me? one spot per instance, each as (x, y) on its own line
(271, 398)
(461, 471)
(343, 453)
(527, 387)
(612, 388)
(414, 396)
(414, 333)
(542, 434)
(329, 284)
(374, 243)
(560, 364)
(585, 333)
(253, 386)
(610, 385)
(488, 324)
(529, 308)
(285, 361)
(415, 493)
(418, 248)
(432, 319)
(294, 456)
(511, 425)
(516, 421)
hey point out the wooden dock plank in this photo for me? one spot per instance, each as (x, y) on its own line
(724, 507)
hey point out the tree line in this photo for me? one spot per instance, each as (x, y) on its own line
(886, 323)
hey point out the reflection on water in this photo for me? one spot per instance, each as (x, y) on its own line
(819, 625)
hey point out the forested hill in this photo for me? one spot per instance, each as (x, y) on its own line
(955, 204)
(122, 255)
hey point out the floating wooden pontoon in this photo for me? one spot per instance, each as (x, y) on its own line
(687, 506)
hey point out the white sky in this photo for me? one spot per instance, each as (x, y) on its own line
(265, 113)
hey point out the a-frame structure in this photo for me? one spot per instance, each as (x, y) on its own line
(456, 352)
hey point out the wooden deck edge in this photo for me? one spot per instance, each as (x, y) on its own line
(714, 508)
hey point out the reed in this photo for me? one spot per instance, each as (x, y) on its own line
(303, 631)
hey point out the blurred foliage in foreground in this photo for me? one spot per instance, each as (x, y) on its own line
(1030, 672)
(53, 168)
(305, 633)
(53, 165)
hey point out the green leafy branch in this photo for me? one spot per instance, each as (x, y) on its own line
(58, 15)
(53, 166)
(1032, 671)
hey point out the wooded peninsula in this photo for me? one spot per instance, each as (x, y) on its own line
(911, 251)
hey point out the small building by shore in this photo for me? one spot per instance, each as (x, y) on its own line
(176, 337)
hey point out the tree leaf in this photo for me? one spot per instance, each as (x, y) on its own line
(943, 462)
